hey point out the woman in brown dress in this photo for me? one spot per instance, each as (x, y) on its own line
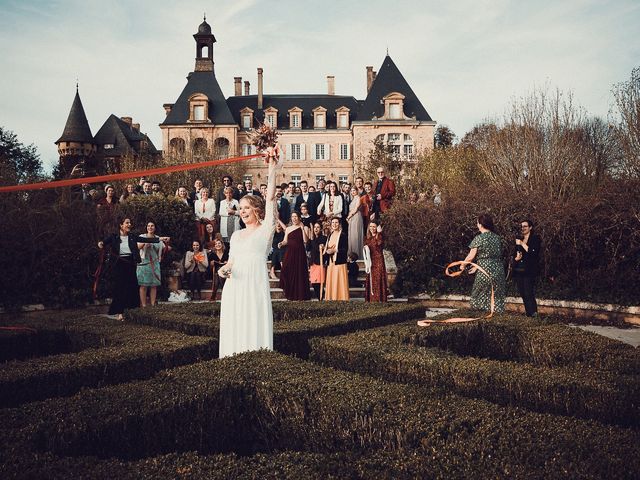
(294, 277)
(337, 287)
(376, 284)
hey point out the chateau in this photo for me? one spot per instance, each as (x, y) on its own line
(324, 135)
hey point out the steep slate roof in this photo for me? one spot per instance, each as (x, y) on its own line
(283, 103)
(77, 127)
(201, 82)
(123, 137)
(389, 79)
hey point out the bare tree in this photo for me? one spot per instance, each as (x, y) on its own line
(627, 100)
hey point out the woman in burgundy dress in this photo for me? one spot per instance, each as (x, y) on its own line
(294, 277)
(376, 284)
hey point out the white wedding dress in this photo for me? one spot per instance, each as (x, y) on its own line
(246, 316)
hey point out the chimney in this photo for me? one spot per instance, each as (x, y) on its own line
(331, 85)
(167, 108)
(369, 77)
(237, 84)
(127, 120)
(375, 75)
(136, 127)
(246, 87)
(260, 88)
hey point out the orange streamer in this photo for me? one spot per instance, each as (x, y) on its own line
(123, 176)
(449, 273)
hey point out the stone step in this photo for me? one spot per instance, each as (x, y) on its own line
(278, 293)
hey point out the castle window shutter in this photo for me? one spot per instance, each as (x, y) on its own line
(348, 151)
(327, 151)
(313, 152)
(302, 151)
(288, 149)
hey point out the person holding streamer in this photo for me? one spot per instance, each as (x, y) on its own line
(151, 249)
(125, 257)
(486, 250)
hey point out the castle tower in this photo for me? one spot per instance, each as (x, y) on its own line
(204, 47)
(76, 146)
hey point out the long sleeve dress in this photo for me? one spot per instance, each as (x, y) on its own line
(376, 289)
(246, 316)
(355, 228)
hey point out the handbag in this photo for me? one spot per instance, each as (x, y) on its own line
(518, 267)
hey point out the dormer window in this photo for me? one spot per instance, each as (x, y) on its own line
(198, 108)
(295, 117)
(394, 106)
(342, 116)
(108, 146)
(246, 118)
(319, 117)
(271, 117)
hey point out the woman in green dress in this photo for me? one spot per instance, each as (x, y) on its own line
(486, 251)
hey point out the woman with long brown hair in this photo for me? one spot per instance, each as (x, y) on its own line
(337, 287)
(376, 289)
(294, 277)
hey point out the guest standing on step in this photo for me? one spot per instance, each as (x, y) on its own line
(195, 266)
(376, 289)
(318, 261)
(337, 286)
(294, 278)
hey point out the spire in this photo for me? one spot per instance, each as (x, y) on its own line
(77, 127)
(204, 47)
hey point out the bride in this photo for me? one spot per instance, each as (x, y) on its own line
(246, 317)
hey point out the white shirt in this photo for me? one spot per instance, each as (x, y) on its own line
(205, 210)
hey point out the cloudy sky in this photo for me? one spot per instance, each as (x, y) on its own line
(465, 59)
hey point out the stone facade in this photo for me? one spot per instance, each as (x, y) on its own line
(323, 135)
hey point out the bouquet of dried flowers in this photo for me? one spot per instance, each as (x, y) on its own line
(265, 140)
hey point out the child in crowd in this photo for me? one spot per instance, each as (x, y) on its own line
(353, 270)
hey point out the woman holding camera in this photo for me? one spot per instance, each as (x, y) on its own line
(526, 266)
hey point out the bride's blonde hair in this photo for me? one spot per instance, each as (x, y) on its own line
(257, 204)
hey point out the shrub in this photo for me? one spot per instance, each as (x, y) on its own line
(269, 406)
(577, 373)
(94, 352)
(294, 322)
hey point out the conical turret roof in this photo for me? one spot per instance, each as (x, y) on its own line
(77, 127)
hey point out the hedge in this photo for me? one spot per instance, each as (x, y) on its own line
(95, 352)
(594, 387)
(294, 322)
(267, 407)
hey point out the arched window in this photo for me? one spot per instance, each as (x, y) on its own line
(221, 147)
(176, 146)
(199, 147)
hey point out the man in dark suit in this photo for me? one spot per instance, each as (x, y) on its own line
(227, 181)
(385, 190)
(249, 190)
(312, 199)
(284, 211)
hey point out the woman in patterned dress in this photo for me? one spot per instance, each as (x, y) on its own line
(376, 289)
(148, 270)
(486, 249)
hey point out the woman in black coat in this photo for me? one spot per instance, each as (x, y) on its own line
(526, 266)
(125, 256)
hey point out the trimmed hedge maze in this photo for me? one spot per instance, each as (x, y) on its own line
(272, 415)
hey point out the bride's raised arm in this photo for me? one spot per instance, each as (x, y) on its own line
(270, 196)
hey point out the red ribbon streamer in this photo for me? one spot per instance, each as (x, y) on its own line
(19, 328)
(123, 176)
